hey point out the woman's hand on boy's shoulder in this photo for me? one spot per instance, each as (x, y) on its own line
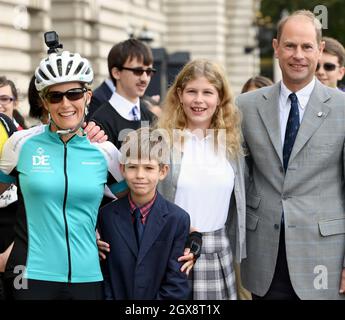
(94, 132)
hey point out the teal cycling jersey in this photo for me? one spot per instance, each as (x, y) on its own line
(62, 185)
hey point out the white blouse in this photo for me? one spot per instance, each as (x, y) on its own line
(205, 184)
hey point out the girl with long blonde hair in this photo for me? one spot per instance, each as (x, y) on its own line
(206, 178)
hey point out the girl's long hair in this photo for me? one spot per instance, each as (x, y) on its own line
(227, 115)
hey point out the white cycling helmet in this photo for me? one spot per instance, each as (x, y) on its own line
(63, 67)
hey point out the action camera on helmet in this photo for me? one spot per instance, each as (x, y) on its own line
(51, 39)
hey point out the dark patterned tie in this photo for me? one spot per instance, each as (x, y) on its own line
(291, 129)
(138, 226)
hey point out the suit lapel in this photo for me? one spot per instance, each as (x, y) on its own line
(154, 225)
(125, 226)
(311, 120)
(268, 108)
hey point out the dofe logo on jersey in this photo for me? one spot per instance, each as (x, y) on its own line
(41, 159)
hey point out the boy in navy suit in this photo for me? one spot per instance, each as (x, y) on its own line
(146, 233)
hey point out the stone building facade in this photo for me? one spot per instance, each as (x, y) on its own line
(217, 29)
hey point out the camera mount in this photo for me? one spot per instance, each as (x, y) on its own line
(51, 39)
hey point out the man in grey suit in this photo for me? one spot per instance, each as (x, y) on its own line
(295, 134)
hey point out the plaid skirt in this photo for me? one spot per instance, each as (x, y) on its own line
(213, 276)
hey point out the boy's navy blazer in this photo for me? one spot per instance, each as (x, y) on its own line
(152, 272)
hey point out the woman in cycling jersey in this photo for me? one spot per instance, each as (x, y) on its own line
(62, 177)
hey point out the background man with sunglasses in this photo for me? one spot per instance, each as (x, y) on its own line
(330, 68)
(130, 69)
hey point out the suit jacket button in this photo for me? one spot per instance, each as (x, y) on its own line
(276, 226)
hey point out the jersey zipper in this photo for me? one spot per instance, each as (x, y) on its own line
(64, 214)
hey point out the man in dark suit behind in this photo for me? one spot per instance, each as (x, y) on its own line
(100, 95)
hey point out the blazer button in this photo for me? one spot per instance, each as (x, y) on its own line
(276, 226)
(281, 169)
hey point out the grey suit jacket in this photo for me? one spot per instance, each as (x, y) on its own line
(311, 193)
(236, 218)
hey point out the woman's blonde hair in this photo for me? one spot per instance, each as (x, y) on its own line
(227, 116)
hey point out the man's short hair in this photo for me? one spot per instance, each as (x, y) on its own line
(304, 13)
(334, 48)
(128, 49)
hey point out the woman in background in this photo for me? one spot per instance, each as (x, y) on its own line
(9, 102)
(256, 82)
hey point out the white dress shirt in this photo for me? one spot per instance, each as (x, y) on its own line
(124, 107)
(303, 96)
(205, 184)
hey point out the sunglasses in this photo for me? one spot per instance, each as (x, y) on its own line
(327, 66)
(6, 100)
(139, 72)
(71, 94)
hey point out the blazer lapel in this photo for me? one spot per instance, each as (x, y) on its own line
(315, 113)
(268, 108)
(125, 227)
(154, 226)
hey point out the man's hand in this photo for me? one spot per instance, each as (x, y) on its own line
(94, 132)
(342, 282)
(189, 258)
